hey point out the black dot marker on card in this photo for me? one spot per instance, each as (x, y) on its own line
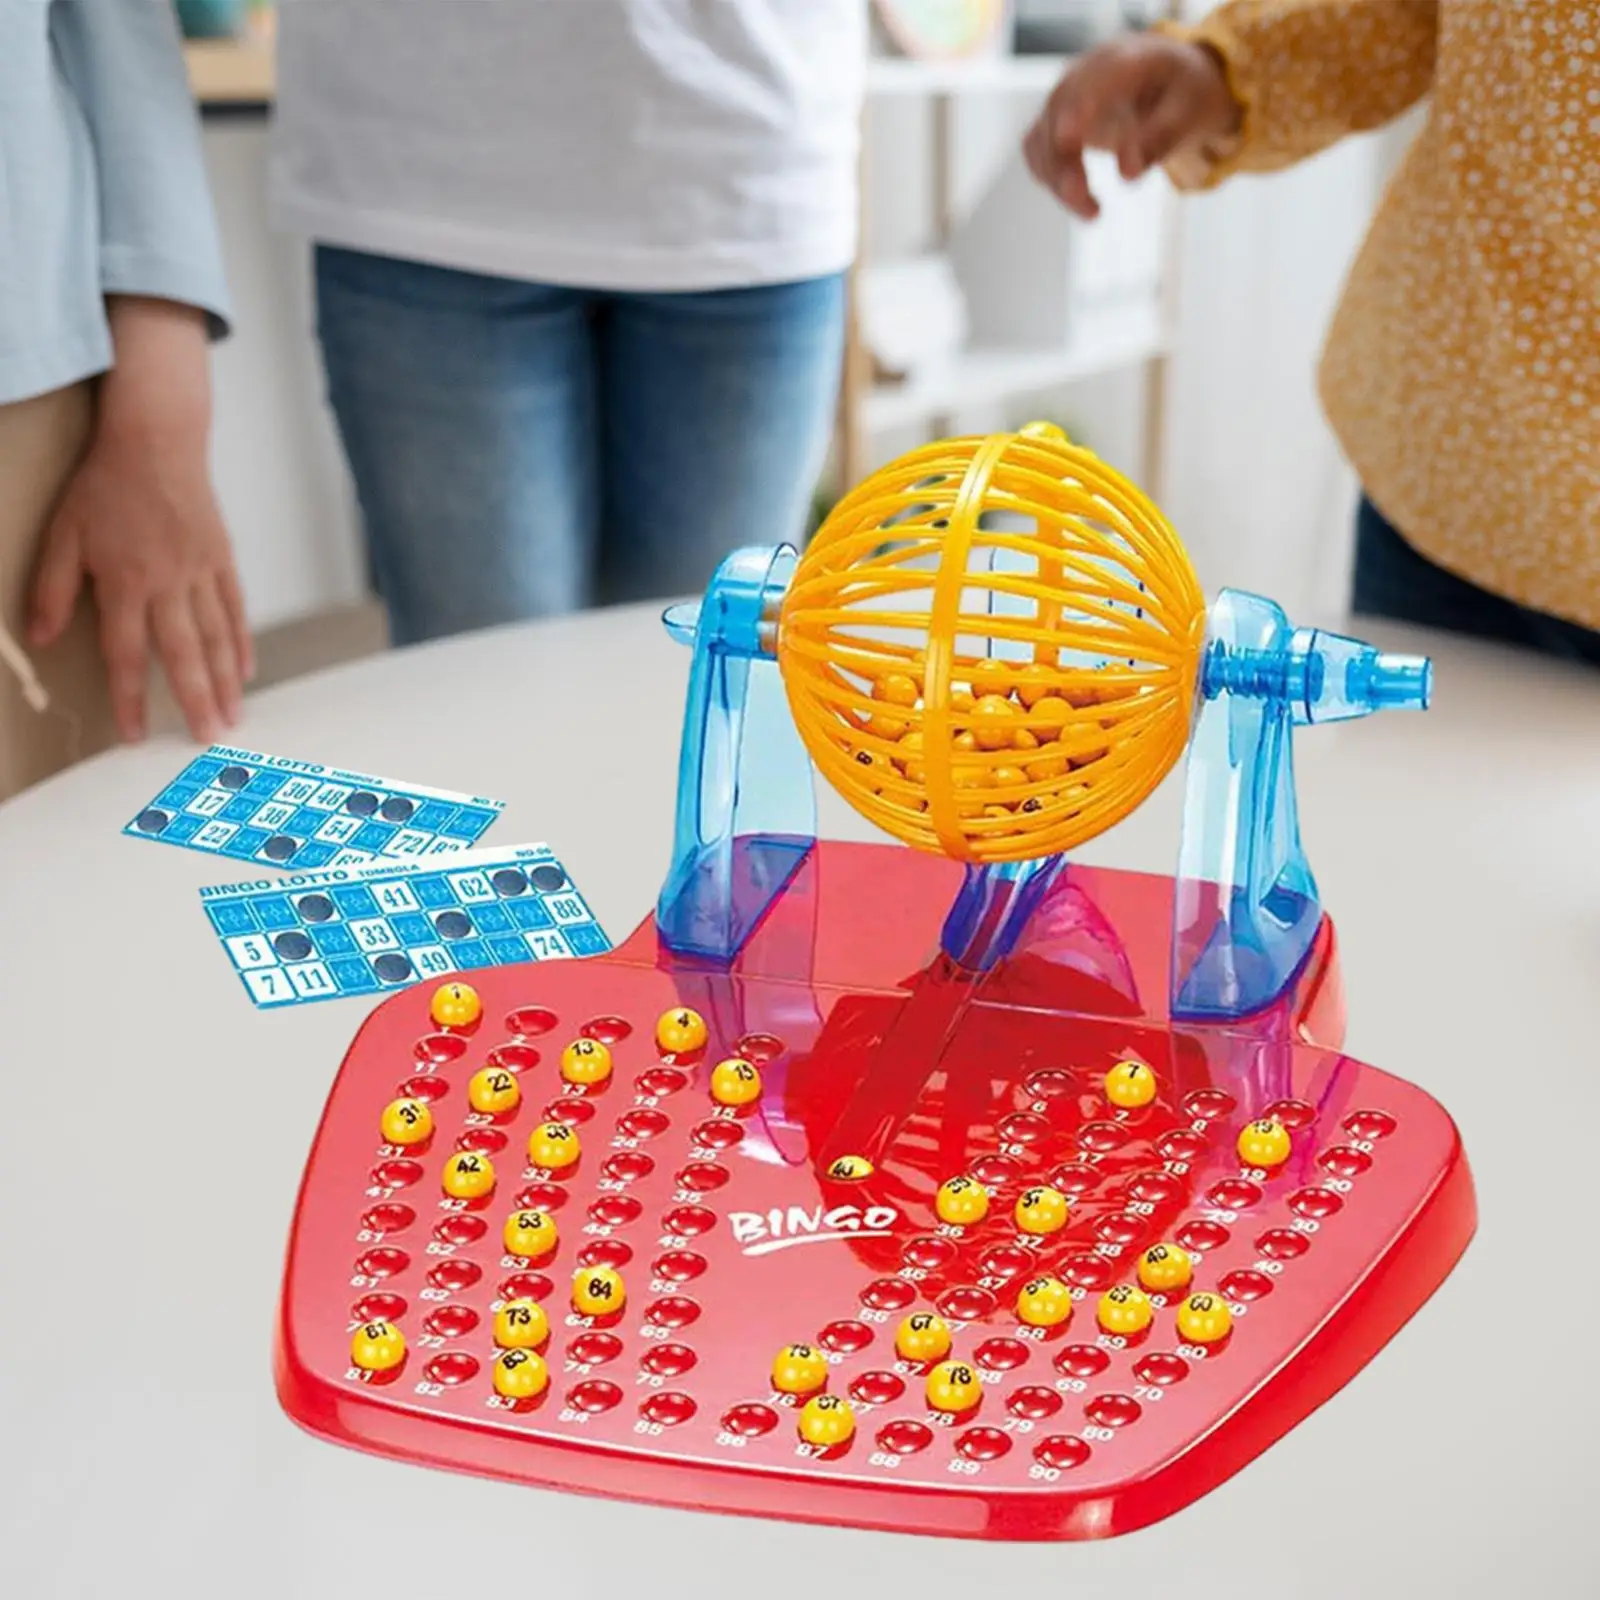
(453, 924)
(546, 879)
(292, 946)
(233, 777)
(396, 809)
(280, 847)
(361, 804)
(392, 967)
(315, 908)
(508, 882)
(152, 821)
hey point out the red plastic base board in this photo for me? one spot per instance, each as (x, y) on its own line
(732, 1242)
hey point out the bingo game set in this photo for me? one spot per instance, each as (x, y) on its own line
(939, 1185)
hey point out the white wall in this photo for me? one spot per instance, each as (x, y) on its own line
(1254, 477)
(280, 475)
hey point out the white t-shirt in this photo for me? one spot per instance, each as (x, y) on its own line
(611, 144)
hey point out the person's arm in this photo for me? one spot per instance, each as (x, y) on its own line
(1306, 73)
(139, 521)
(158, 235)
(1255, 86)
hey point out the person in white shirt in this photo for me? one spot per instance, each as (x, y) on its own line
(581, 279)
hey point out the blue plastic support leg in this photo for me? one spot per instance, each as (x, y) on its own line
(993, 907)
(1247, 907)
(746, 809)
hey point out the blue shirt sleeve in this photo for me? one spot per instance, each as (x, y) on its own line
(123, 61)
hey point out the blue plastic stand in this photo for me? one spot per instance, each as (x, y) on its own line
(747, 811)
(1246, 908)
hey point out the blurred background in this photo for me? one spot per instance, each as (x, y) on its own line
(1178, 339)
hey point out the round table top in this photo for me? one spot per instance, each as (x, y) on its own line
(153, 1127)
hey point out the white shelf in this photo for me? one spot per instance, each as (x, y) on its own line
(898, 75)
(982, 377)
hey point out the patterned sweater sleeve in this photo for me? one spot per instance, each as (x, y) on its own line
(1308, 72)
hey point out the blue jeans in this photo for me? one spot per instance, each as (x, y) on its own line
(1394, 580)
(521, 450)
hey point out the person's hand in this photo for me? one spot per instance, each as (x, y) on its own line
(1146, 97)
(140, 525)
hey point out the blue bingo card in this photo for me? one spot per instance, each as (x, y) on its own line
(251, 807)
(363, 929)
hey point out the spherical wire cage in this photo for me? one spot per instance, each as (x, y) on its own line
(990, 647)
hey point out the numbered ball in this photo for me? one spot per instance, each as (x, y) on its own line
(494, 1091)
(1125, 1309)
(1264, 1143)
(681, 1032)
(1130, 1084)
(1041, 1210)
(586, 1061)
(735, 1083)
(468, 1175)
(521, 1325)
(922, 1337)
(896, 689)
(1035, 681)
(962, 1201)
(377, 1347)
(553, 1146)
(1044, 1303)
(530, 1234)
(520, 1375)
(953, 1386)
(799, 1369)
(827, 1420)
(1165, 1267)
(598, 1292)
(992, 678)
(406, 1122)
(994, 722)
(850, 1169)
(455, 1005)
(1204, 1319)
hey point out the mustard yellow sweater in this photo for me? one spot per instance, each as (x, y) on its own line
(1462, 369)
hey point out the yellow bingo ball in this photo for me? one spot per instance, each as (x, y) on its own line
(520, 1375)
(1044, 1303)
(1164, 1267)
(799, 1369)
(586, 1061)
(455, 1005)
(468, 1175)
(530, 1234)
(1125, 1309)
(735, 1083)
(1204, 1319)
(521, 1325)
(377, 1347)
(1130, 1084)
(681, 1032)
(850, 1169)
(1041, 1210)
(1264, 1143)
(962, 1201)
(406, 1122)
(923, 1337)
(494, 1091)
(953, 1386)
(553, 1145)
(827, 1420)
(598, 1292)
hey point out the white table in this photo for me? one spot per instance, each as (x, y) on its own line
(142, 1451)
